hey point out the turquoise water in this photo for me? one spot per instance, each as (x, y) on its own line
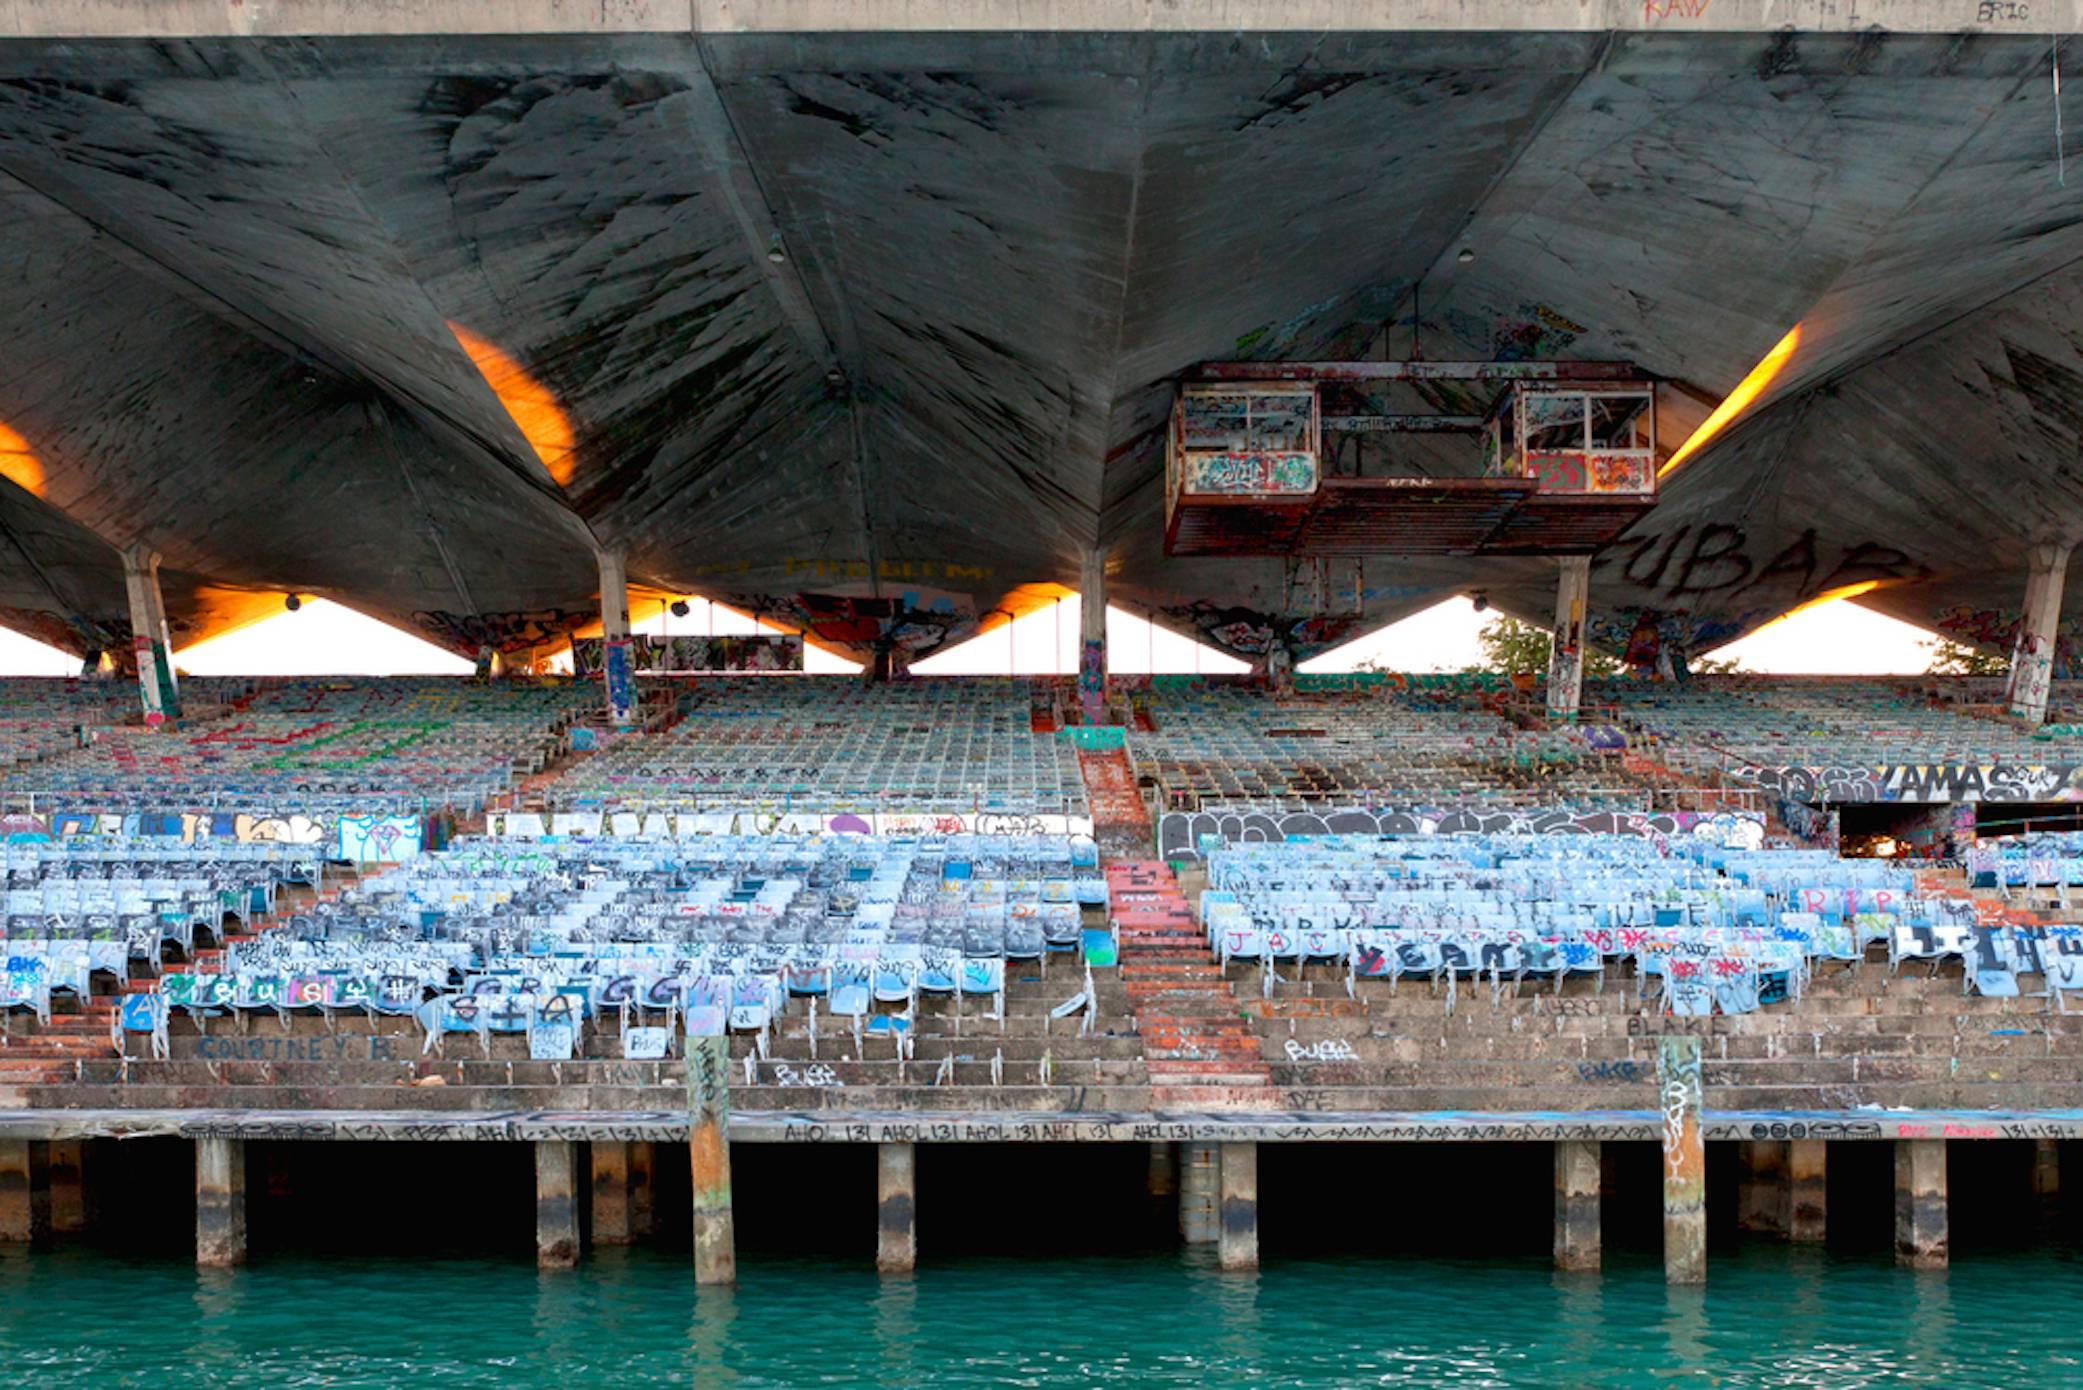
(1771, 1317)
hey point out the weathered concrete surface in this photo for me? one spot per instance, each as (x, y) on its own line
(1764, 1188)
(896, 1208)
(1808, 1174)
(556, 1204)
(1236, 1241)
(997, 250)
(25, 1195)
(1684, 1161)
(613, 1221)
(1921, 1239)
(1578, 1241)
(220, 1202)
(1200, 1192)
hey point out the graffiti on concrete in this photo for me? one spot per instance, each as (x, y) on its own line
(1180, 834)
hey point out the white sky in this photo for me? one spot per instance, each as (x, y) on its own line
(327, 639)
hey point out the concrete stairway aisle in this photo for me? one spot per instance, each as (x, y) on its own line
(1199, 1048)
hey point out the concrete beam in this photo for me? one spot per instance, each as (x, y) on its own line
(1764, 1191)
(643, 1192)
(611, 1205)
(1808, 1177)
(896, 1208)
(1163, 1177)
(708, 1152)
(68, 1187)
(1199, 1192)
(1921, 1239)
(719, 18)
(220, 1203)
(2032, 655)
(556, 1204)
(1684, 1161)
(25, 1194)
(1566, 647)
(1236, 1244)
(1577, 1236)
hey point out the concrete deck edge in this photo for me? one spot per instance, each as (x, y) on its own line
(985, 1127)
(81, 19)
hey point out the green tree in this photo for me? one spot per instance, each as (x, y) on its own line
(1716, 666)
(1950, 658)
(1513, 648)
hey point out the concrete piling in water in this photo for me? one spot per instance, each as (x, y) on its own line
(1764, 1194)
(1577, 1240)
(1199, 1165)
(643, 1194)
(68, 1187)
(556, 1204)
(1684, 1161)
(1163, 1179)
(1237, 1217)
(1921, 1239)
(708, 1152)
(2046, 1176)
(25, 1194)
(611, 1213)
(896, 1208)
(1809, 1191)
(220, 1203)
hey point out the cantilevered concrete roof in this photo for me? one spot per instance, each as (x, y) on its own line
(867, 314)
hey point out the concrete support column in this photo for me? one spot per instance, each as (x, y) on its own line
(708, 1151)
(1163, 1179)
(220, 1203)
(1921, 1241)
(896, 1208)
(1236, 1243)
(1808, 1179)
(643, 1195)
(616, 665)
(25, 1193)
(1764, 1194)
(1566, 648)
(556, 1204)
(68, 1187)
(150, 638)
(2032, 656)
(611, 1213)
(1577, 1242)
(1199, 1181)
(2046, 1175)
(1092, 637)
(1684, 1161)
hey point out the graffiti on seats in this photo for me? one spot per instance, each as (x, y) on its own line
(1921, 782)
(1180, 833)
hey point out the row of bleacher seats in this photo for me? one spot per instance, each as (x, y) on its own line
(722, 933)
(71, 912)
(366, 744)
(1836, 721)
(842, 745)
(1712, 929)
(1231, 745)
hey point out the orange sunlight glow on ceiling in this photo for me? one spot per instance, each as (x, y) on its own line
(543, 422)
(1747, 390)
(18, 462)
(1836, 595)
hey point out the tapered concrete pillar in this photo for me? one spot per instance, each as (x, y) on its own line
(1577, 1240)
(1236, 1244)
(611, 1214)
(1566, 647)
(220, 1203)
(1092, 637)
(150, 638)
(68, 1187)
(25, 1193)
(896, 1208)
(708, 1152)
(616, 665)
(1808, 1180)
(643, 1194)
(1163, 1177)
(1199, 1192)
(1921, 1240)
(1764, 1194)
(556, 1204)
(1684, 1161)
(2032, 655)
